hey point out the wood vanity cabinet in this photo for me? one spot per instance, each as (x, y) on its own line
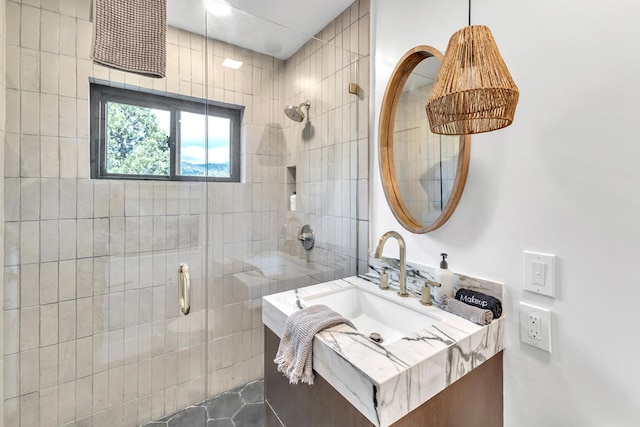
(475, 400)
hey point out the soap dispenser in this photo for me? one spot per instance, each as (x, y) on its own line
(444, 276)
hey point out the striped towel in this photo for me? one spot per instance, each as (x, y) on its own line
(295, 352)
(131, 35)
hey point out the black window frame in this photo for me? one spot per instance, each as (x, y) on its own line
(102, 92)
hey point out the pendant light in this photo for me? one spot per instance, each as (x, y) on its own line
(473, 92)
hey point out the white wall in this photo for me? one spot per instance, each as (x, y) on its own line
(562, 179)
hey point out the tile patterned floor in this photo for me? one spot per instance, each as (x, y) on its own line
(241, 407)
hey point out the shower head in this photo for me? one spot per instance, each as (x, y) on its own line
(295, 112)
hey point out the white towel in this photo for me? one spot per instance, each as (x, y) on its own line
(295, 352)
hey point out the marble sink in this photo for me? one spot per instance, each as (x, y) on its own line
(423, 354)
(382, 313)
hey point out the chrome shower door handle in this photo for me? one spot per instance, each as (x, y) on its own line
(184, 289)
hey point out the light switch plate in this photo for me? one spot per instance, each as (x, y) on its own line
(539, 273)
(535, 326)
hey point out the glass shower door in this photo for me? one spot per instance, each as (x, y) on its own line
(253, 247)
(93, 332)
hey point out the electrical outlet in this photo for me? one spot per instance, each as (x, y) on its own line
(535, 326)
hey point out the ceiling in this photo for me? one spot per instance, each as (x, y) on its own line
(274, 27)
(423, 74)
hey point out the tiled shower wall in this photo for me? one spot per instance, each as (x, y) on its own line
(330, 149)
(92, 333)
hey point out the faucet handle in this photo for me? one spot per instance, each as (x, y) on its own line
(425, 298)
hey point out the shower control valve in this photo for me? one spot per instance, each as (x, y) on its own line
(306, 237)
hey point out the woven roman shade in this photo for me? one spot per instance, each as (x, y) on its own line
(473, 92)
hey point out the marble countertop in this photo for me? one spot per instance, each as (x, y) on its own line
(387, 382)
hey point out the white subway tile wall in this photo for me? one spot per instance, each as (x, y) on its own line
(92, 333)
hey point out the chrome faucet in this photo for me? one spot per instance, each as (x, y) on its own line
(403, 258)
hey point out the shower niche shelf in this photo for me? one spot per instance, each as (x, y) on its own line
(290, 182)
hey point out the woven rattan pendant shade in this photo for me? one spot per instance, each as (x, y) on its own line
(473, 92)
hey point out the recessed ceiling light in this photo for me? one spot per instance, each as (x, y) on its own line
(217, 7)
(232, 63)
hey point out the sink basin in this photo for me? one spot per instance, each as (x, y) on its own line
(373, 313)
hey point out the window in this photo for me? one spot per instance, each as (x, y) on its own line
(141, 135)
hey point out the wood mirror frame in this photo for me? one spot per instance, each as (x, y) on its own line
(388, 112)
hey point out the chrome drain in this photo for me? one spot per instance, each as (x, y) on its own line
(376, 337)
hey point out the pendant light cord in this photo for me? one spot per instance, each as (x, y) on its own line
(469, 12)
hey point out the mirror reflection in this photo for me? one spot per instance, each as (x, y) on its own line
(425, 163)
(423, 174)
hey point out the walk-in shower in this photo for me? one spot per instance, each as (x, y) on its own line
(99, 327)
(295, 113)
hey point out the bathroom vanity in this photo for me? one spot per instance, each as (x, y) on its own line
(435, 369)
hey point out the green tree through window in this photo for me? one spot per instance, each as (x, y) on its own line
(136, 144)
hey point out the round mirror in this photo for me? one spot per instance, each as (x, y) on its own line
(423, 174)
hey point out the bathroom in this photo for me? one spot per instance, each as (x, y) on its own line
(92, 333)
